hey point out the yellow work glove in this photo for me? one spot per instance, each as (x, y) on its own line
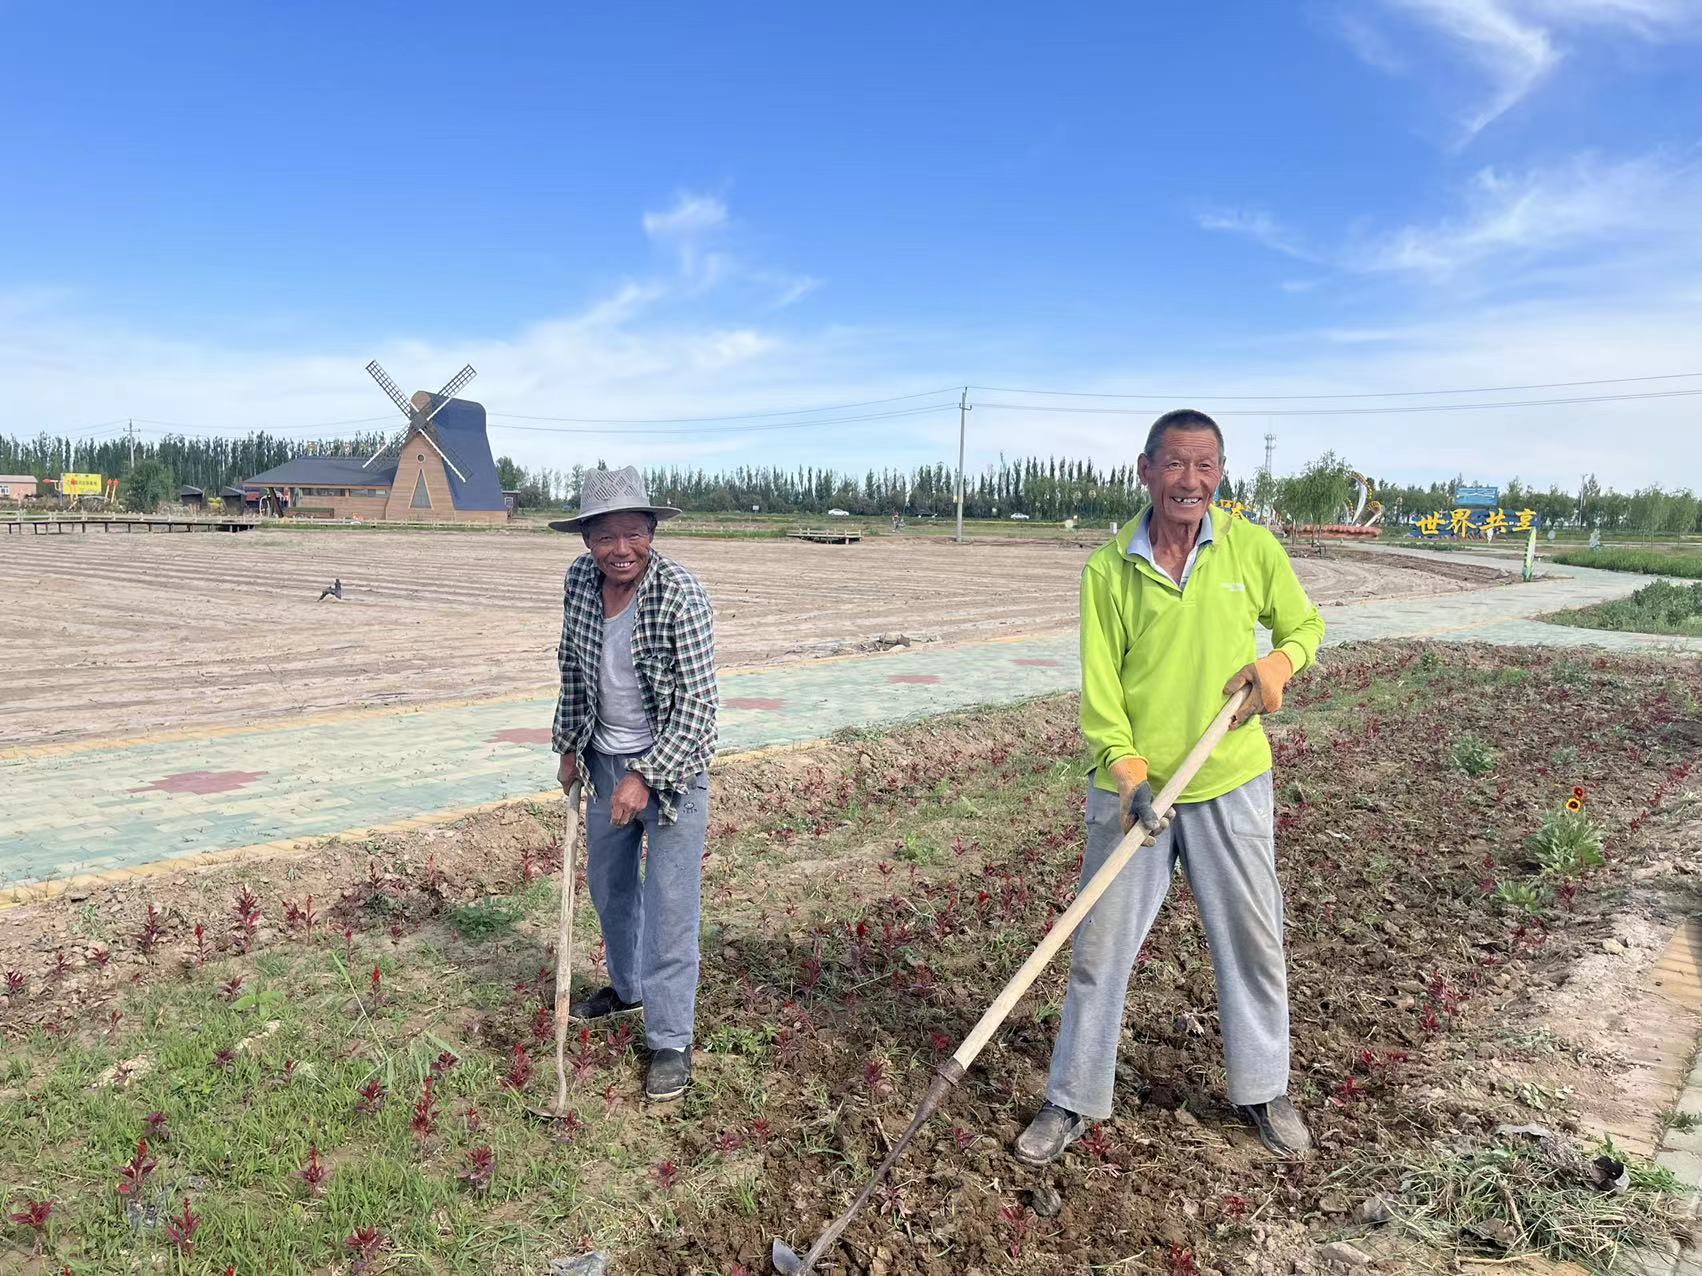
(1267, 677)
(1134, 795)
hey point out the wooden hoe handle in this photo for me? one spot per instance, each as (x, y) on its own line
(1066, 925)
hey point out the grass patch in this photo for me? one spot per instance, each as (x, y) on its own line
(1658, 608)
(1653, 562)
(1537, 1197)
(486, 919)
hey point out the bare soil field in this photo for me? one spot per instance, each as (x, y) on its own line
(121, 635)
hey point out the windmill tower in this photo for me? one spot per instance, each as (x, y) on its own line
(419, 411)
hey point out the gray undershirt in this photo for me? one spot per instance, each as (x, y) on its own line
(621, 724)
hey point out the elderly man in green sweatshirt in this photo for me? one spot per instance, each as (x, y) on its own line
(1167, 617)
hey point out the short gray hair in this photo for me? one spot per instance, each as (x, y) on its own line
(1180, 419)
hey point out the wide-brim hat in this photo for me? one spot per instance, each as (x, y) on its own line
(621, 491)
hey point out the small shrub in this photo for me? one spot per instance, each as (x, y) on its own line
(1473, 756)
(1568, 843)
(1529, 897)
(484, 919)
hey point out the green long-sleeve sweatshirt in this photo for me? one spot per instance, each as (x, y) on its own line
(1154, 658)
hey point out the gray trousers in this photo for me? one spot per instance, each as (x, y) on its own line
(650, 924)
(1227, 847)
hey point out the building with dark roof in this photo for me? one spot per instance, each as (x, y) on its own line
(443, 473)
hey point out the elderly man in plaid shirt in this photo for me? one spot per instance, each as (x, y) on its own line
(636, 723)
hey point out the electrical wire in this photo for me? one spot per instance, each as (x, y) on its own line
(1408, 408)
(1379, 394)
(253, 429)
(741, 416)
(731, 429)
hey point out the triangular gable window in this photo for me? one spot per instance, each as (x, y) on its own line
(422, 498)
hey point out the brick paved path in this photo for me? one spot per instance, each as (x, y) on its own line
(103, 807)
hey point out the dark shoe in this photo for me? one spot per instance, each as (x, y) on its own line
(601, 1004)
(1052, 1130)
(670, 1074)
(1281, 1127)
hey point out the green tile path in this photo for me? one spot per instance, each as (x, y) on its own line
(112, 806)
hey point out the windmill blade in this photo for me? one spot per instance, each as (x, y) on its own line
(395, 443)
(451, 389)
(391, 388)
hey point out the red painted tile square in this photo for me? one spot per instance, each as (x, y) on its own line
(523, 735)
(923, 679)
(202, 782)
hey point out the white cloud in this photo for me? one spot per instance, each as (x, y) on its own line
(1514, 45)
(1561, 224)
(1511, 219)
(1258, 225)
(691, 217)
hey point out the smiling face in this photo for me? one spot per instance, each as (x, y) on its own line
(1182, 475)
(621, 545)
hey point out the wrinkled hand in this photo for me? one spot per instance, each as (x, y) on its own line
(1134, 796)
(631, 796)
(567, 771)
(1267, 678)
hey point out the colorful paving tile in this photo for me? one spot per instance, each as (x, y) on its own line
(131, 803)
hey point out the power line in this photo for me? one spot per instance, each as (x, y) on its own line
(740, 416)
(1378, 394)
(736, 429)
(1415, 407)
(257, 429)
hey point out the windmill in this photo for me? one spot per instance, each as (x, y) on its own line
(419, 414)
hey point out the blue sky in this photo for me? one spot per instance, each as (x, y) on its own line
(216, 215)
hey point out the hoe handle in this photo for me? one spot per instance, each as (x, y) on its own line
(564, 939)
(1065, 926)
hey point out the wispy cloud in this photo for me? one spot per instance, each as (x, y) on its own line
(1566, 216)
(1258, 225)
(1515, 218)
(1514, 45)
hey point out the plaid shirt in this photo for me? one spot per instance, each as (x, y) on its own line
(673, 650)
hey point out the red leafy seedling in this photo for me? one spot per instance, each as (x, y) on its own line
(481, 1165)
(519, 1069)
(371, 1097)
(134, 1174)
(157, 1126)
(667, 1174)
(366, 1244)
(313, 1173)
(148, 938)
(424, 1120)
(180, 1229)
(17, 983)
(33, 1214)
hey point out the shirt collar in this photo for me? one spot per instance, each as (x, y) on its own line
(1140, 544)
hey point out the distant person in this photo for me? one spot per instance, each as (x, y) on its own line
(636, 723)
(1167, 616)
(333, 590)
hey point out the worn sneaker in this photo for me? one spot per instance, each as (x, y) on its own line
(1281, 1127)
(601, 1004)
(670, 1074)
(1052, 1130)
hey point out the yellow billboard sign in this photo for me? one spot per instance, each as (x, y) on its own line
(79, 485)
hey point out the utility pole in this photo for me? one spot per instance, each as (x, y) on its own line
(131, 430)
(963, 411)
(1270, 446)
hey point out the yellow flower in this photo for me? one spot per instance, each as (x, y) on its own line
(1574, 805)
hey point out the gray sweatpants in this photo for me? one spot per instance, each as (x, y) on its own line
(1227, 847)
(650, 926)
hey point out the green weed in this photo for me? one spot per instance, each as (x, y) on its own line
(1473, 756)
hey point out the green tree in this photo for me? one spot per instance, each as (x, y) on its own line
(1319, 493)
(147, 486)
(508, 473)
